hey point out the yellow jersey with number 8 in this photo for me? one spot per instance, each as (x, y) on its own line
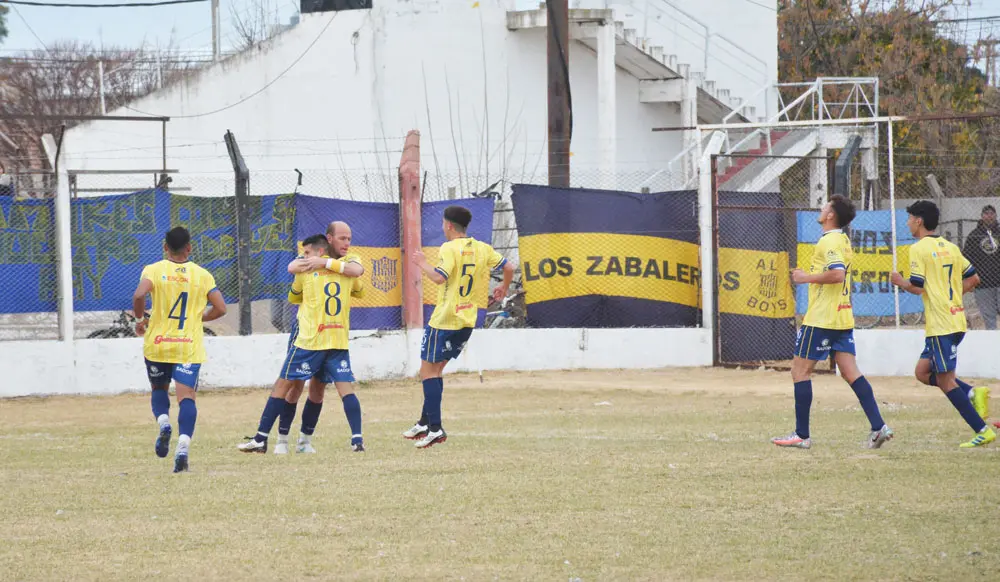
(325, 310)
(939, 267)
(180, 295)
(462, 262)
(830, 305)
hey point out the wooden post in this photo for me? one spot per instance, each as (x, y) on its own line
(409, 209)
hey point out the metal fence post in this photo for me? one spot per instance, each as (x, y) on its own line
(242, 175)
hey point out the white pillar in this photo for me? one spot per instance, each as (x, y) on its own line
(64, 254)
(216, 44)
(818, 178)
(606, 106)
(705, 200)
(689, 118)
(100, 86)
(869, 166)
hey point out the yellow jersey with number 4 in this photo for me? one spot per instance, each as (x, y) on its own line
(462, 262)
(180, 295)
(325, 310)
(939, 267)
(830, 305)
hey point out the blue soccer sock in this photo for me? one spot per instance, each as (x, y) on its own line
(960, 400)
(803, 401)
(863, 390)
(964, 387)
(160, 400)
(186, 418)
(310, 416)
(272, 409)
(433, 392)
(352, 409)
(286, 417)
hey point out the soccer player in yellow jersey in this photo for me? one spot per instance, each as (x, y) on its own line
(173, 347)
(941, 275)
(828, 327)
(462, 261)
(318, 348)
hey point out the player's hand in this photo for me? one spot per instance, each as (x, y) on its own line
(499, 294)
(419, 257)
(799, 276)
(140, 327)
(896, 279)
(314, 263)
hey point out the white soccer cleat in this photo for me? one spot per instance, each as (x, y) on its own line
(877, 438)
(253, 446)
(281, 447)
(417, 431)
(304, 446)
(431, 439)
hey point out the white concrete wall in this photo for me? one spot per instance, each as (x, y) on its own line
(116, 365)
(342, 93)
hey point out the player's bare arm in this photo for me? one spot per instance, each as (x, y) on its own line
(970, 283)
(309, 264)
(420, 260)
(218, 304)
(508, 276)
(139, 306)
(831, 277)
(899, 281)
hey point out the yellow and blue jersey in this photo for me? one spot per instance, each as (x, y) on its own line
(180, 295)
(462, 262)
(939, 268)
(830, 305)
(324, 299)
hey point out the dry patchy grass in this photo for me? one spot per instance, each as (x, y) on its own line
(649, 475)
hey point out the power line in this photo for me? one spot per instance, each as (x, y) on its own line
(31, 30)
(257, 92)
(85, 5)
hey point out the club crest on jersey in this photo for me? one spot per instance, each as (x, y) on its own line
(384, 274)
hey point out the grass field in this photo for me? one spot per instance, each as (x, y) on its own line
(654, 475)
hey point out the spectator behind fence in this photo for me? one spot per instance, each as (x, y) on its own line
(981, 249)
(6, 183)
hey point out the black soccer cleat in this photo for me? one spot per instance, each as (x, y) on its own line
(180, 464)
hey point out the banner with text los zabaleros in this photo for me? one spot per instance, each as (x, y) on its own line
(114, 237)
(375, 236)
(871, 239)
(432, 237)
(595, 258)
(756, 302)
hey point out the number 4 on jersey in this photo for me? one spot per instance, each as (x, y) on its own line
(181, 303)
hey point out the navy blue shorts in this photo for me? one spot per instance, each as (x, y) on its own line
(942, 351)
(327, 365)
(440, 345)
(817, 343)
(160, 374)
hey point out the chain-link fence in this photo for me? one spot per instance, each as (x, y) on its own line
(29, 308)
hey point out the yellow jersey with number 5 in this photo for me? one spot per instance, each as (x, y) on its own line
(939, 267)
(830, 305)
(325, 310)
(180, 295)
(462, 262)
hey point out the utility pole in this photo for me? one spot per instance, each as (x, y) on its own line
(560, 116)
(215, 31)
(100, 86)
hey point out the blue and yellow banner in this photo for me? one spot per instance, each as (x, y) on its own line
(375, 236)
(432, 237)
(756, 301)
(595, 258)
(27, 255)
(871, 239)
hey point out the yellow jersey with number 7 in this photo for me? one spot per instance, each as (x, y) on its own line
(180, 295)
(462, 262)
(939, 267)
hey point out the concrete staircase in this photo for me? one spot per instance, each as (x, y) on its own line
(646, 62)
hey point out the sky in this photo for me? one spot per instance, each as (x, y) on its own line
(189, 26)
